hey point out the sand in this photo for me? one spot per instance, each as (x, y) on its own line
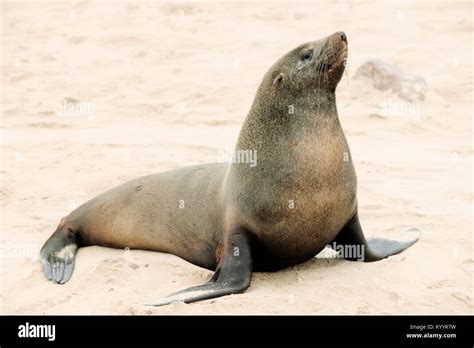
(165, 85)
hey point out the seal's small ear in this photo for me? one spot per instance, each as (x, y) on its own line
(277, 81)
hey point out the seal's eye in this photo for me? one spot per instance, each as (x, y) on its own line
(308, 55)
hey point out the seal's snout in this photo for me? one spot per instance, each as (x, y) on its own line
(343, 36)
(335, 52)
(339, 38)
(336, 42)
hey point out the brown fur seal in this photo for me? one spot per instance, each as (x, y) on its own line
(236, 218)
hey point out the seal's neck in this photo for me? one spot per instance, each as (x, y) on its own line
(281, 120)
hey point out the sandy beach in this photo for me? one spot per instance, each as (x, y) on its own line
(164, 85)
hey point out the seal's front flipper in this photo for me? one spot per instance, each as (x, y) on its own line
(388, 247)
(233, 274)
(57, 255)
(354, 247)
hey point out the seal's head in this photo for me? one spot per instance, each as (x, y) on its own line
(313, 65)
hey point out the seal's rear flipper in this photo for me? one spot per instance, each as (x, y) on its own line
(233, 274)
(57, 255)
(354, 247)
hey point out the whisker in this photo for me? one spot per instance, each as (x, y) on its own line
(320, 71)
(346, 71)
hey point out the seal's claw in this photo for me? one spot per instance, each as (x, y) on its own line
(58, 270)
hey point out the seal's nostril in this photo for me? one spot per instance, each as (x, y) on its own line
(343, 36)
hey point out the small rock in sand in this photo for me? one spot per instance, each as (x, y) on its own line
(386, 76)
